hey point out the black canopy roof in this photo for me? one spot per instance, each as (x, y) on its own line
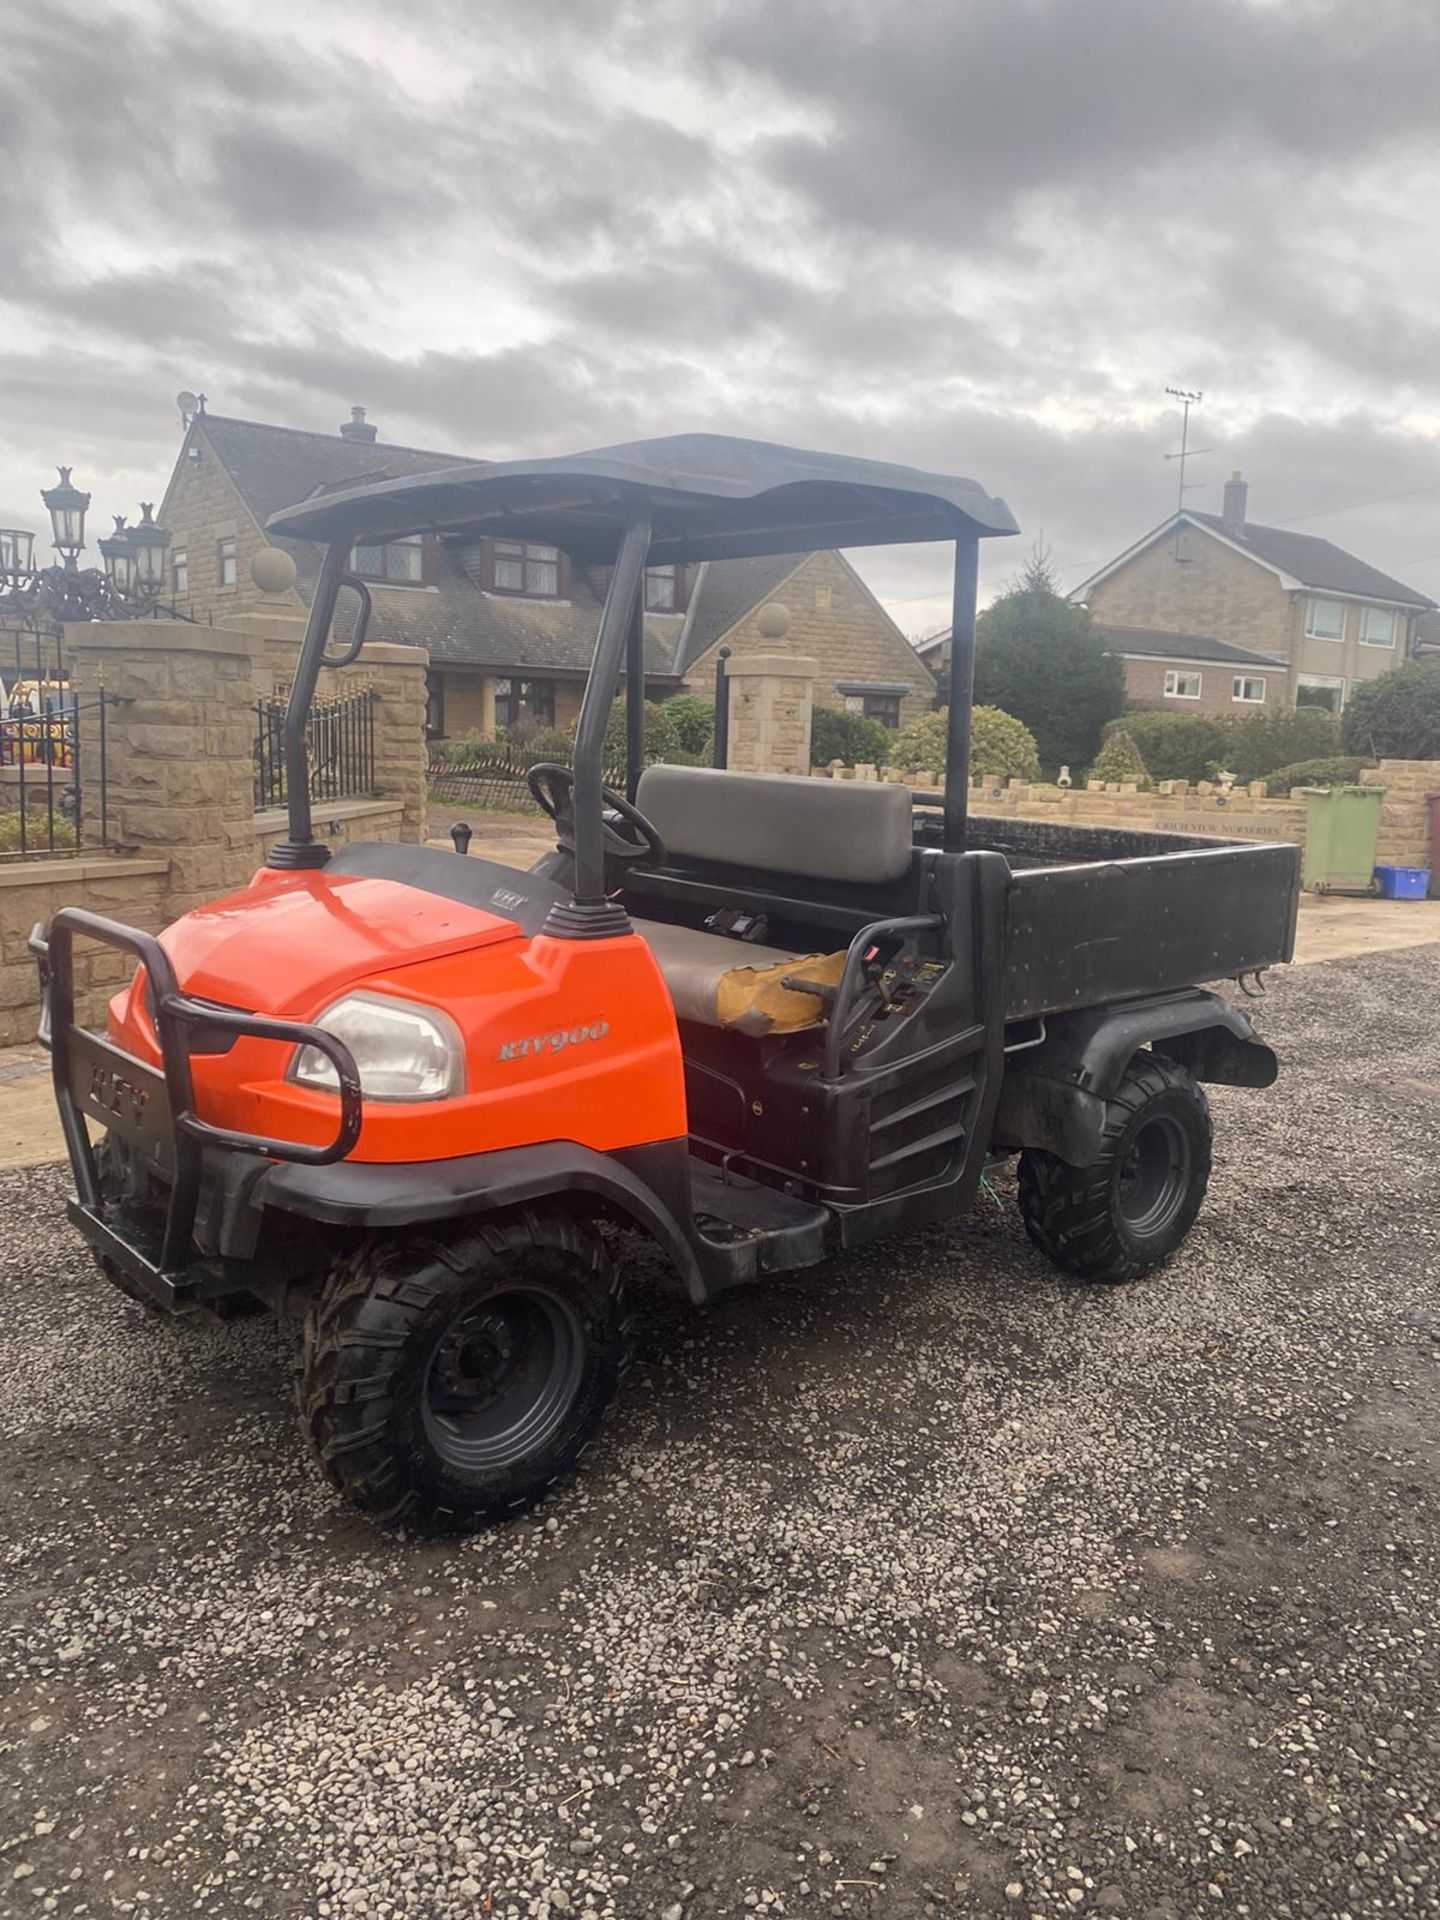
(711, 497)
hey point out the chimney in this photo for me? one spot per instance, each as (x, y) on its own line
(1232, 513)
(357, 427)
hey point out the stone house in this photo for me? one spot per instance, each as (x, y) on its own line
(509, 628)
(1215, 613)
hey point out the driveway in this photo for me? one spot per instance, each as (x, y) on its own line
(922, 1583)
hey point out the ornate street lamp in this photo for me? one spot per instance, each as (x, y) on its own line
(119, 557)
(149, 544)
(67, 507)
(17, 554)
(129, 588)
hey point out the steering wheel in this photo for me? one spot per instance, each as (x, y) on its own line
(553, 790)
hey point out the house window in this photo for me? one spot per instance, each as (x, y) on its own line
(225, 562)
(1181, 686)
(1318, 690)
(524, 703)
(434, 707)
(1377, 626)
(884, 707)
(664, 590)
(1325, 619)
(523, 567)
(180, 561)
(1247, 688)
(401, 561)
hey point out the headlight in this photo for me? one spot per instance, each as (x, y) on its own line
(404, 1052)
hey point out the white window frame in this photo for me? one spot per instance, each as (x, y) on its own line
(1173, 677)
(180, 564)
(1334, 682)
(1243, 680)
(227, 560)
(1386, 613)
(1312, 632)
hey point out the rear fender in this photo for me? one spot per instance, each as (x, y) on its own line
(1054, 1095)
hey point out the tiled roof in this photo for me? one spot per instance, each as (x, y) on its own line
(725, 593)
(1154, 644)
(275, 466)
(1314, 562)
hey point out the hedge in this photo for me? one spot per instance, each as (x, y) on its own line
(1001, 747)
(1337, 771)
(1195, 746)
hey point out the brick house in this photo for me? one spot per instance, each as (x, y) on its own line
(1217, 614)
(509, 628)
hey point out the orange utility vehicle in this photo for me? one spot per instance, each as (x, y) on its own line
(412, 1094)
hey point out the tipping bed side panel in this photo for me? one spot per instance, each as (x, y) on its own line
(1083, 935)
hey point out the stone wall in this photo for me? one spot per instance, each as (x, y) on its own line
(1405, 816)
(180, 734)
(770, 706)
(1177, 807)
(34, 890)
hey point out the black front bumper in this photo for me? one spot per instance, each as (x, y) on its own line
(151, 1112)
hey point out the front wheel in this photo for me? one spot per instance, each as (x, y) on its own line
(450, 1384)
(1128, 1212)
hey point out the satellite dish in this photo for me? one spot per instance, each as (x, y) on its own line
(189, 406)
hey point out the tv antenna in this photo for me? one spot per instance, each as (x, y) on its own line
(189, 405)
(1187, 400)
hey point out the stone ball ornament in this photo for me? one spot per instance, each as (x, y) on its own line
(773, 620)
(273, 570)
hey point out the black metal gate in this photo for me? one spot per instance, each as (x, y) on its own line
(53, 758)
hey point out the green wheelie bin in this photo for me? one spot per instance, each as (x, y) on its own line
(1342, 826)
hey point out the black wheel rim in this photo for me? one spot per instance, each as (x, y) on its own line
(1154, 1176)
(502, 1379)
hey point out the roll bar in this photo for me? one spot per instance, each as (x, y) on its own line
(619, 646)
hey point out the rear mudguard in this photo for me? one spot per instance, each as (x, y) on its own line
(648, 1186)
(1054, 1094)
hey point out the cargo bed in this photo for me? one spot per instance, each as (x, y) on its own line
(1099, 913)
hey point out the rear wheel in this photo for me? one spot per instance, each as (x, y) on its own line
(450, 1384)
(1128, 1212)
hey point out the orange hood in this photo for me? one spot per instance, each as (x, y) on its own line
(291, 943)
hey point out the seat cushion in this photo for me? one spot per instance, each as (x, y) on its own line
(847, 830)
(736, 983)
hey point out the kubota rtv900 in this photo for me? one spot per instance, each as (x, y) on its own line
(410, 1094)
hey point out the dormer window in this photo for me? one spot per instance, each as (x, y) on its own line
(400, 562)
(664, 589)
(526, 568)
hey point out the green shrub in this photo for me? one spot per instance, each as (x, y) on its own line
(37, 832)
(1001, 747)
(838, 734)
(1194, 746)
(1174, 746)
(1039, 659)
(662, 740)
(1256, 745)
(693, 719)
(1339, 770)
(1120, 759)
(1396, 717)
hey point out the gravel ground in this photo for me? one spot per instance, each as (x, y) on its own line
(922, 1583)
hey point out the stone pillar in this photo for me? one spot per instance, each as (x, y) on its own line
(771, 699)
(179, 747)
(397, 676)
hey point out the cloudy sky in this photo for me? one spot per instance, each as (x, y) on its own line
(979, 237)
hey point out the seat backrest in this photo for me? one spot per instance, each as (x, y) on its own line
(830, 829)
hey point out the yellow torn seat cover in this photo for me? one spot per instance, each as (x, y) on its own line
(721, 982)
